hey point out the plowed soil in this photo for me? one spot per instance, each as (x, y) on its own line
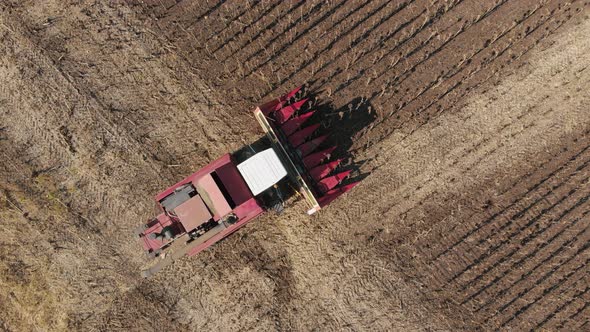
(473, 214)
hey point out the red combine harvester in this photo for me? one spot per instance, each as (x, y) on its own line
(223, 196)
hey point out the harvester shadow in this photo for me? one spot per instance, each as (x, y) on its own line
(345, 127)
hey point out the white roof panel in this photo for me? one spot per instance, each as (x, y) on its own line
(262, 170)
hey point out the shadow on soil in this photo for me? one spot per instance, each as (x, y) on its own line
(345, 126)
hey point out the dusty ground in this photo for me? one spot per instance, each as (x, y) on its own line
(474, 213)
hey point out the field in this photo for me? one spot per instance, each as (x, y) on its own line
(474, 209)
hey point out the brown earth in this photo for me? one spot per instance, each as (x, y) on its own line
(474, 214)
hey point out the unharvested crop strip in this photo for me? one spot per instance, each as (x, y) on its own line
(249, 7)
(514, 202)
(522, 212)
(246, 27)
(404, 75)
(522, 260)
(304, 32)
(278, 36)
(497, 55)
(372, 48)
(509, 237)
(480, 159)
(547, 275)
(363, 36)
(559, 309)
(342, 19)
(451, 38)
(543, 263)
(308, 62)
(529, 191)
(468, 167)
(268, 27)
(427, 24)
(468, 89)
(451, 73)
(573, 316)
(514, 58)
(379, 42)
(547, 291)
(512, 43)
(211, 10)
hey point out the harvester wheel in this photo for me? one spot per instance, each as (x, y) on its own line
(154, 253)
(139, 230)
(232, 219)
(278, 207)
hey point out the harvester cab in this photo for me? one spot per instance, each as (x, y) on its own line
(223, 196)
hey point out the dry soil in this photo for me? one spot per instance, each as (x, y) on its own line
(473, 213)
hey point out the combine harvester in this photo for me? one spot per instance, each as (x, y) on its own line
(223, 196)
